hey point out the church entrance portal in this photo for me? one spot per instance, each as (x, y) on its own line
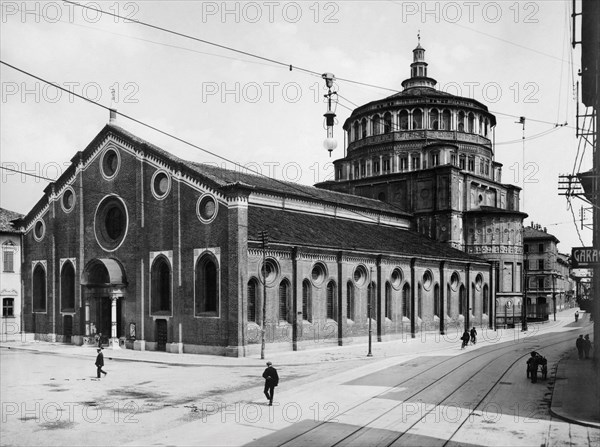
(103, 282)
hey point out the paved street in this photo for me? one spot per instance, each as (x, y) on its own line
(412, 392)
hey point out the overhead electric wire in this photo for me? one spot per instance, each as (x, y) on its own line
(285, 64)
(181, 140)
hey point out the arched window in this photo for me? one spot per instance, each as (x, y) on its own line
(252, 300)
(331, 300)
(387, 122)
(355, 128)
(417, 119)
(449, 300)
(39, 289)
(434, 119)
(363, 128)
(461, 121)
(160, 292)
(485, 299)
(436, 300)
(473, 300)
(406, 301)
(375, 125)
(446, 120)
(461, 300)
(403, 120)
(306, 300)
(207, 285)
(67, 286)
(388, 301)
(284, 300)
(350, 300)
(471, 123)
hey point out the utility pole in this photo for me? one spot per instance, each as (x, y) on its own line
(264, 235)
(370, 290)
(524, 304)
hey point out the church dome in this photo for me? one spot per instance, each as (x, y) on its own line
(420, 115)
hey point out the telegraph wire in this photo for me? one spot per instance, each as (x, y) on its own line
(181, 140)
(291, 66)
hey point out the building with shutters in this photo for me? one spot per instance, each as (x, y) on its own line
(10, 275)
(548, 280)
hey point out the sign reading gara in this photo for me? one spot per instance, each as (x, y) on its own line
(583, 257)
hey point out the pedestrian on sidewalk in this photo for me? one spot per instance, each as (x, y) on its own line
(587, 345)
(100, 363)
(579, 346)
(473, 336)
(465, 339)
(576, 316)
(271, 381)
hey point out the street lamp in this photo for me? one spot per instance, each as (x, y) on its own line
(370, 294)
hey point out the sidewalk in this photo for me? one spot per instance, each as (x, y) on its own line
(576, 396)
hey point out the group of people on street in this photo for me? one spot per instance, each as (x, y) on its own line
(583, 346)
(469, 336)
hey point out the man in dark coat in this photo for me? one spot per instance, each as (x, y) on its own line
(465, 339)
(579, 346)
(587, 345)
(100, 362)
(271, 381)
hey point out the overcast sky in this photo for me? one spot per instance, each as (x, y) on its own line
(515, 57)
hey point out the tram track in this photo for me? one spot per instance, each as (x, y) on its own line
(439, 372)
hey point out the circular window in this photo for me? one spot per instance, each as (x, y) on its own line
(206, 208)
(111, 223)
(318, 273)
(396, 278)
(269, 271)
(39, 229)
(110, 163)
(427, 280)
(454, 280)
(161, 184)
(360, 275)
(68, 200)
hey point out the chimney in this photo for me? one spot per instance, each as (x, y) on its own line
(113, 116)
(545, 230)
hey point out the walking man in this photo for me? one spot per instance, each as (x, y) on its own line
(579, 346)
(473, 336)
(271, 381)
(465, 339)
(100, 363)
(587, 345)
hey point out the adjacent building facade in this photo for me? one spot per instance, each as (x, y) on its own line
(549, 286)
(10, 271)
(430, 153)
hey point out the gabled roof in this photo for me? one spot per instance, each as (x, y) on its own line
(299, 229)
(218, 177)
(6, 216)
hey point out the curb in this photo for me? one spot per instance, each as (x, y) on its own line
(560, 414)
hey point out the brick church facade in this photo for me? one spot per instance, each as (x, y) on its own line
(415, 234)
(158, 253)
